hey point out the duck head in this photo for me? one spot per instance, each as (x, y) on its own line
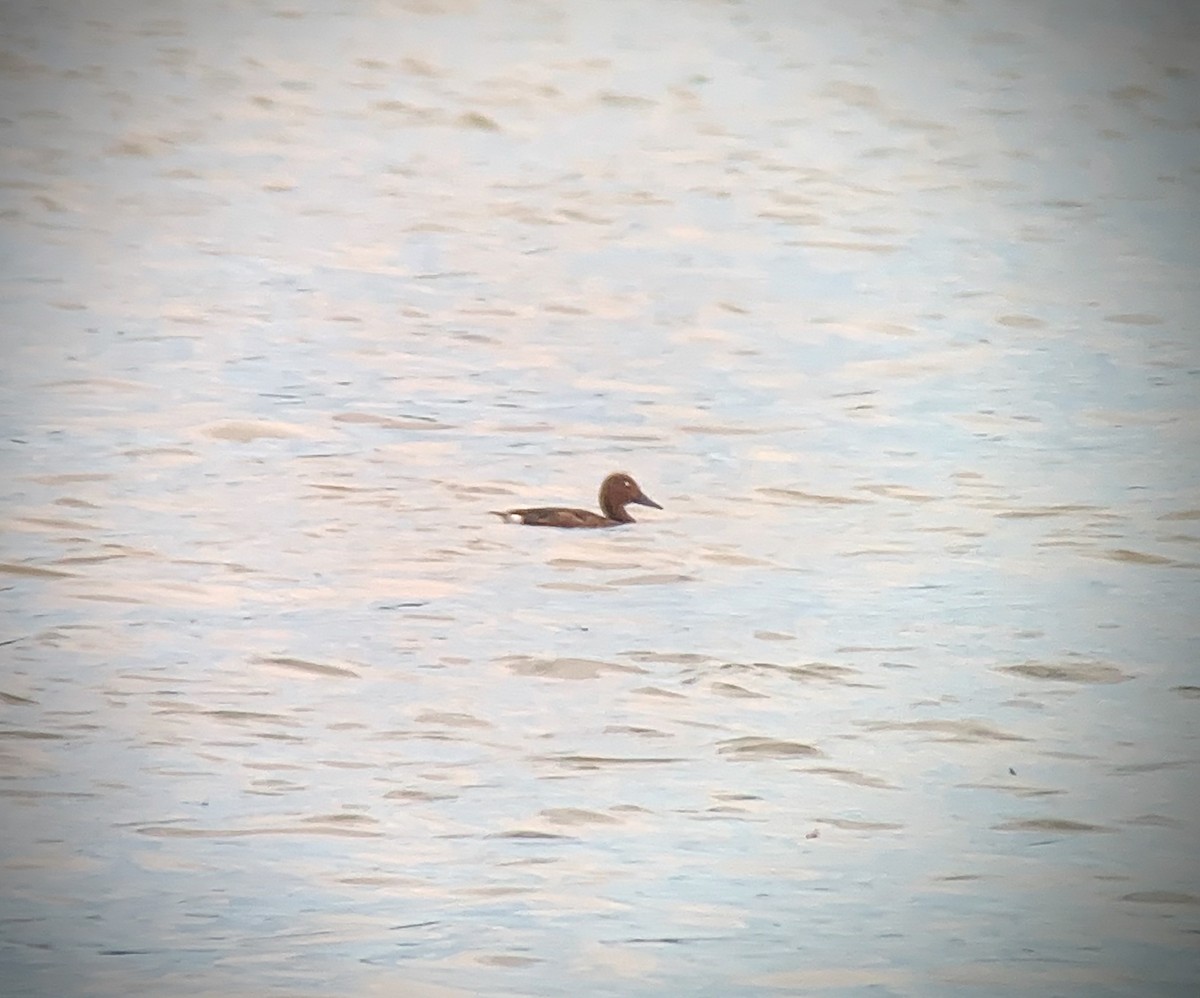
(617, 491)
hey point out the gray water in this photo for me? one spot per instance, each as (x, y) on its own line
(891, 306)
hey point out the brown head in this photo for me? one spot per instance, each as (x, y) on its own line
(617, 491)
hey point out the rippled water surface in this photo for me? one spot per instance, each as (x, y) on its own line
(891, 306)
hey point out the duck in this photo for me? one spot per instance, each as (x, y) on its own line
(617, 491)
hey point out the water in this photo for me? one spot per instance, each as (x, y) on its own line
(891, 306)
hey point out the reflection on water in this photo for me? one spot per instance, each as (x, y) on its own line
(892, 308)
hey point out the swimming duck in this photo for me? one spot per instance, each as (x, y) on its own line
(617, 491)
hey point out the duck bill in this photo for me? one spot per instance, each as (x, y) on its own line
(644, 500)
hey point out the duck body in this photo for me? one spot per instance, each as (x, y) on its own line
(617, 491)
